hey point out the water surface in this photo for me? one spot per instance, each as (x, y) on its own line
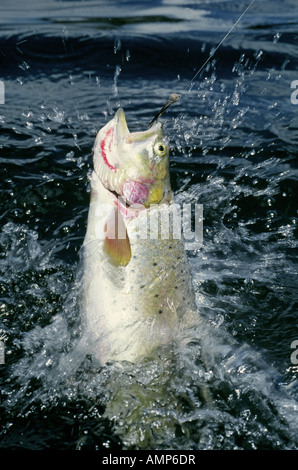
(67, 66)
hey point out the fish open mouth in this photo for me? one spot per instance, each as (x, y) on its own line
(133, 166)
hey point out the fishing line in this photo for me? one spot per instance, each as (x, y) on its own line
(175, 96)
(218, 46)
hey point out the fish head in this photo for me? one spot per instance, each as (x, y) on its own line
(133, 165)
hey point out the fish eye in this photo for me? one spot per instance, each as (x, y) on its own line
(160, 149)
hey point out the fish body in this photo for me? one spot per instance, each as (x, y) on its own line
(137, 286)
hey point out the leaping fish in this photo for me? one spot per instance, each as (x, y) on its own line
(138, 291)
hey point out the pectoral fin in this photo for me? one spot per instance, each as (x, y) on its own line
(116, 242)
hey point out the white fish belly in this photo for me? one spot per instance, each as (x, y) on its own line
(131, 310)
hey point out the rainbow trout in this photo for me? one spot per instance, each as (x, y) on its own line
(137, 286)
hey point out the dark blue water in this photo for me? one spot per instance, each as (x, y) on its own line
(67, 66)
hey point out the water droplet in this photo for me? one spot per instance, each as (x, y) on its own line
(269, 201)
(24, 66)
(259, 55)
(70, 156)
(117, 45)
(276, 37)
(65, 31)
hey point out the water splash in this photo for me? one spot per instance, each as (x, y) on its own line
(245, 275)
(211, 393)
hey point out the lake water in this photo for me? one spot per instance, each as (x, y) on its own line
(66, 66)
